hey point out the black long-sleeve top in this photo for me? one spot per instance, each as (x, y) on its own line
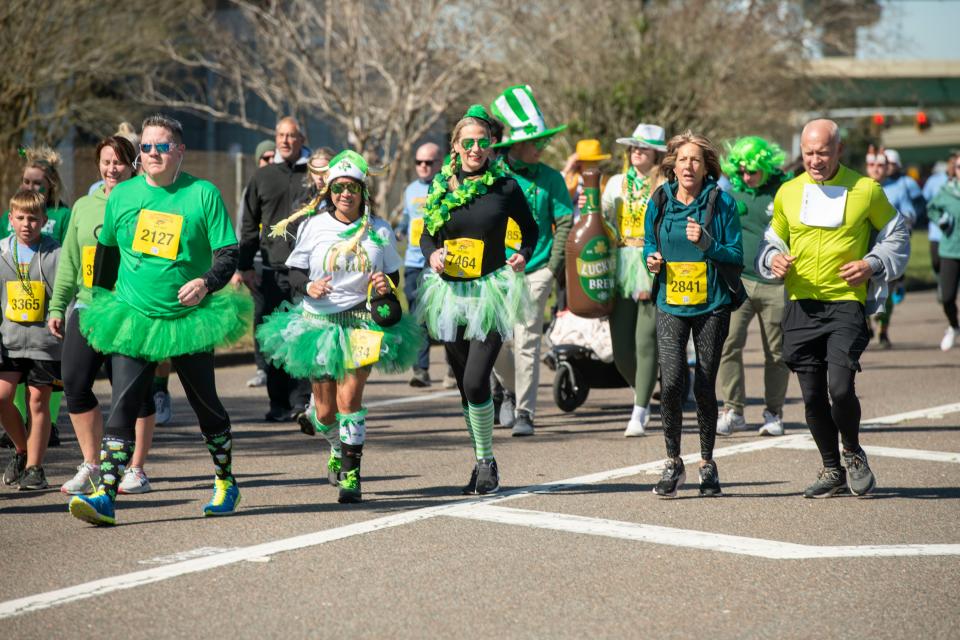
(485, 218)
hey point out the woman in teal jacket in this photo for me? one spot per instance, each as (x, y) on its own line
(944, 211)
(684, 253)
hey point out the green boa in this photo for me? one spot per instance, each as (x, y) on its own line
(441, 201)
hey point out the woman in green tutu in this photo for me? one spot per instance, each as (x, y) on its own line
(166, 245)
(633, 326)
(344, 256)
(473, 296)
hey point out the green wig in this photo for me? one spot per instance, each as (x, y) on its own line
(752, 152)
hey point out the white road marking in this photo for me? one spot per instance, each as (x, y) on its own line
(704, 540)
(202, 552)
(408, 400)
(110, 584)
(887, 452)
(919, 414)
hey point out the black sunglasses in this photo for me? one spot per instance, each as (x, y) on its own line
(426, 162)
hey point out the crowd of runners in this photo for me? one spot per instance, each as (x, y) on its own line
(148, 274)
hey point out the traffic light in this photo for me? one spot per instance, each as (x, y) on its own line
(878, 122)
(923, 122)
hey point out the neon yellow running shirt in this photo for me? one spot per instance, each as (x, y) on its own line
(821, 251)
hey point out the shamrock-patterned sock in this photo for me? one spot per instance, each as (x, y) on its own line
(353, 433)
(481, 424)
(220, 446)
(114, 456)
(329, 432)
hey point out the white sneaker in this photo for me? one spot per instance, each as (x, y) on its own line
(508, 411)
(134, 481)
(164, 411)
(259, 379)
(730, 421)
(949, 339)
(86, 480)
(638, 422)
(772, 424)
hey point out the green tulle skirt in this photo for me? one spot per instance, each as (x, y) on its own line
(308, 345)
(632, 275)
(492, 303)
(113, 326)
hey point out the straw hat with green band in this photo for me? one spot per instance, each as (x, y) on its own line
(646, 136)
(522, 118)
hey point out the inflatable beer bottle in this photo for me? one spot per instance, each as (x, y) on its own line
(591, 257)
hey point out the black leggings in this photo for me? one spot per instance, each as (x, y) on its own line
(709, 333)
(80, 364)
(132, 385)
(472, 363)
(949, 279)
(832, 407)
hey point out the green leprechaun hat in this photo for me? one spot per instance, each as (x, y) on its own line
(518, 110)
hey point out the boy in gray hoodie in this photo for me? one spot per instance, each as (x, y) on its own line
(29, 352)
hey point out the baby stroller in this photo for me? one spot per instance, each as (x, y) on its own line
(581, 358)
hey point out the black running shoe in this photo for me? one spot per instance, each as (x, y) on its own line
(488, 477)
(306, 425)
(471, 488)
(860, 478)
(33, 479)
(350, 490)
(674, 475)
(54, 440)
(709, 480)
(11, 475)
(829, 482)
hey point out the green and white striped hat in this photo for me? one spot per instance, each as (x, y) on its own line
(524, 121)
(348, 164)
(649, 136)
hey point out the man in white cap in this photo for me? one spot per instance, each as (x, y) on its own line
(526, 136)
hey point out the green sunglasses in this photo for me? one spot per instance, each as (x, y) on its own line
(340, 187)
(482, 143)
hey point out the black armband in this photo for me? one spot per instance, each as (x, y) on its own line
(224, 266)
(106, 266)
(299, 280)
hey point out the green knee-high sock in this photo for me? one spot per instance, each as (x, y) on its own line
(481, 423)
(114, 456)
(329, 432)
(220, 446)
(466, 417)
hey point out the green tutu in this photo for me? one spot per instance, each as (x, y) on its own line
(492, 303)
(314, 346)
(113, 326)
(633, 278)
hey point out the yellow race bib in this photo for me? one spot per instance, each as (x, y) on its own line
(364, 347)
(25, 305)
(631, 221)
(416, 230)
(464, 258)
(686, 283)
(512, 239)
(158, 234)
(86, 265)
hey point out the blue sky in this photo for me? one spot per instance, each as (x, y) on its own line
(914, 29)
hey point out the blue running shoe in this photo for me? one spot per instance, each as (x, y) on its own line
(898, 294)
(97, 508)
(226, 499)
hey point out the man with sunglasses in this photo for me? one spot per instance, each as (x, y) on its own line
(526, 136)
(753, 169)
(427, 159)
(270, 197)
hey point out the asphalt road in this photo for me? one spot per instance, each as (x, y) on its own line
(575, 546)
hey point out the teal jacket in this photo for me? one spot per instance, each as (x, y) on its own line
(721, 242)
(947, 202)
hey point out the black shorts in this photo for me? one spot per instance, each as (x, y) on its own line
(36, 373)
(816, 332)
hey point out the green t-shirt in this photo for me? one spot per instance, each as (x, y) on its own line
(756, 211)
(821, 251)
(56, 227)
(86, 220)
(148, 282)
(549, 200)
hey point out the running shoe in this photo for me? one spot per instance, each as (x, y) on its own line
(471, 488)
(488, 476)
(860, 478)
(522, 424)
(949, 339)
(134, 481)
(829, 483)
(638, 422)
(226, 499)
(772, 424)
(508, 410)
(709, 480)
(306, 424)
(11, 475)
(164, 411)
(259, 379)
(333, 469)
(898, 294)
(96, 508)
(33, 479)
(350, 492)
(449, 379)
(673, 477)
(84, 481)
(420, 379)
(729, 422)
(54, 439)
(883, 342)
